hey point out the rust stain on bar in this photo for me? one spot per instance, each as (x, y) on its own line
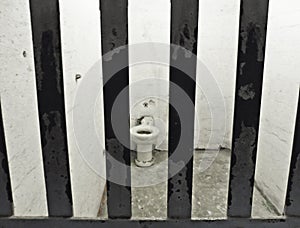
(252, 38)
(114, 35)
(184, 31)
(50, 93)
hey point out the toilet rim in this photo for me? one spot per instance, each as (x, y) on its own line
(154, 131)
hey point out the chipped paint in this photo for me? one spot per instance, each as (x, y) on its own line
(117, 194)
(114, 27)
(109, 56)
(253, 26)
(50, 94)
(56, 159)
(253, 34)
(242, 67)
(179, 194)
(247, 92)
(242, 170)
(252, 38)
(184, 31)
(49, 64)
(186, 39)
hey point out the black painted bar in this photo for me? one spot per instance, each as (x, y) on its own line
(250, 67)
(292, 203)
(6, 202)
(112, 223)
(50, 93)
(114, 34)
(184, 31)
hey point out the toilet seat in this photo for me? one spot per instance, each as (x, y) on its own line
(144, 134)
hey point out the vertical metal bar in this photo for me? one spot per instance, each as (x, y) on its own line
(6, 202)
(251, 53)
(184, 31)
(292, 203)
(50, 91)
(114, 34)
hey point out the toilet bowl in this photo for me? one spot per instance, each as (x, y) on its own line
(145, 136)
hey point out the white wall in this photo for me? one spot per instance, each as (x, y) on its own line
(149, 21)
(81, 49)
(18, 97)
(217, 49)
(279, 99)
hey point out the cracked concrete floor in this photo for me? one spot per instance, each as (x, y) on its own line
(210, 188)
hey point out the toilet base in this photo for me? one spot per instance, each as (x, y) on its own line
(144, 163)
(144, 156)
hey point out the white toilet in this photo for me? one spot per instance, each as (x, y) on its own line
(145, 136)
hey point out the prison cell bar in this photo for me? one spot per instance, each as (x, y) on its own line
(293, 189)
(47, 50)
(51, 108)
(250, 67)
(184, 31)
(6, 204)
(113, 223)
(114, 35)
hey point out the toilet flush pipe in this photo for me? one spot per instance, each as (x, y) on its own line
(144, 153)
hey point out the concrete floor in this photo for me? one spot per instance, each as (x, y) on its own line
(210, 188)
